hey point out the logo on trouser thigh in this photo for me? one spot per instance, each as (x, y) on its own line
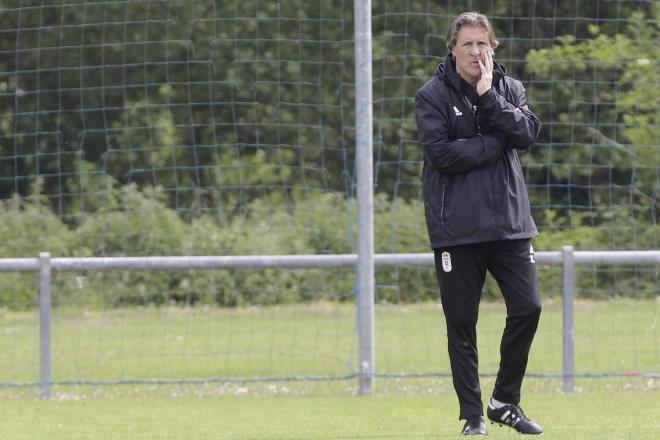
(446, 262)
(531, 254)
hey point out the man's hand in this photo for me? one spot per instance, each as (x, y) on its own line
(486, 80)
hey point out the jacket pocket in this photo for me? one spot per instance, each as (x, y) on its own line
(442, 204)
(435, 207)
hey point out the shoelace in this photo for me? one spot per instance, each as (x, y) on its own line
(521, 412)
(516, 415)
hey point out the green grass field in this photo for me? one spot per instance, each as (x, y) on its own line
(308, 340)
(315, 339)
(569, 417)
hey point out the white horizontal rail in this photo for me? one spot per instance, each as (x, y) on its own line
(617, 257)
(297, 261)
(19, 264)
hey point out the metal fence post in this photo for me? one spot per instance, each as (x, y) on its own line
(364, 171)
(44, 325)
(568, 327)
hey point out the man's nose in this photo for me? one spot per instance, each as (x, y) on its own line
(474, 50)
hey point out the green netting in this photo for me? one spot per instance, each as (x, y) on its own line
(227, 128)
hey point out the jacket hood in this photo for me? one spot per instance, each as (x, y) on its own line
(447, 72)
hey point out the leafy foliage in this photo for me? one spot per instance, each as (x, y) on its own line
(146, 226)
(611, 121)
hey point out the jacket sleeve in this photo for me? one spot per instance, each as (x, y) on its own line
(452, 156)
(514, 121)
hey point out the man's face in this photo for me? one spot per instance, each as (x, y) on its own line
(472, 43)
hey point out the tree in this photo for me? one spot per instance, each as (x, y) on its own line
(195, 96)
(604, 99)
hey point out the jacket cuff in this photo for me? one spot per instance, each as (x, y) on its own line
(486, 97)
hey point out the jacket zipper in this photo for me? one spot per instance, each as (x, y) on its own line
(473, 112)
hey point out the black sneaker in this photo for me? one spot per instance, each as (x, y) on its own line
(475, 426)
(513, 416)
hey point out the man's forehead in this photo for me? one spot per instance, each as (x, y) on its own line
(472, 33)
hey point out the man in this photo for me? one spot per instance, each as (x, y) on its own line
(471, 119)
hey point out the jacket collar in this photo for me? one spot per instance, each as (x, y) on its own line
(447, 72)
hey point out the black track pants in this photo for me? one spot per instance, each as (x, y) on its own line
(461, 272)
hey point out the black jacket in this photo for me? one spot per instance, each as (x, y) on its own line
(474, 189)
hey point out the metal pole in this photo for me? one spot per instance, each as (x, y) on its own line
(364, 171)
(568, 330)
(44, 325)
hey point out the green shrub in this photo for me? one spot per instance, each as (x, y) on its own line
(134, 223)
(28, 227)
